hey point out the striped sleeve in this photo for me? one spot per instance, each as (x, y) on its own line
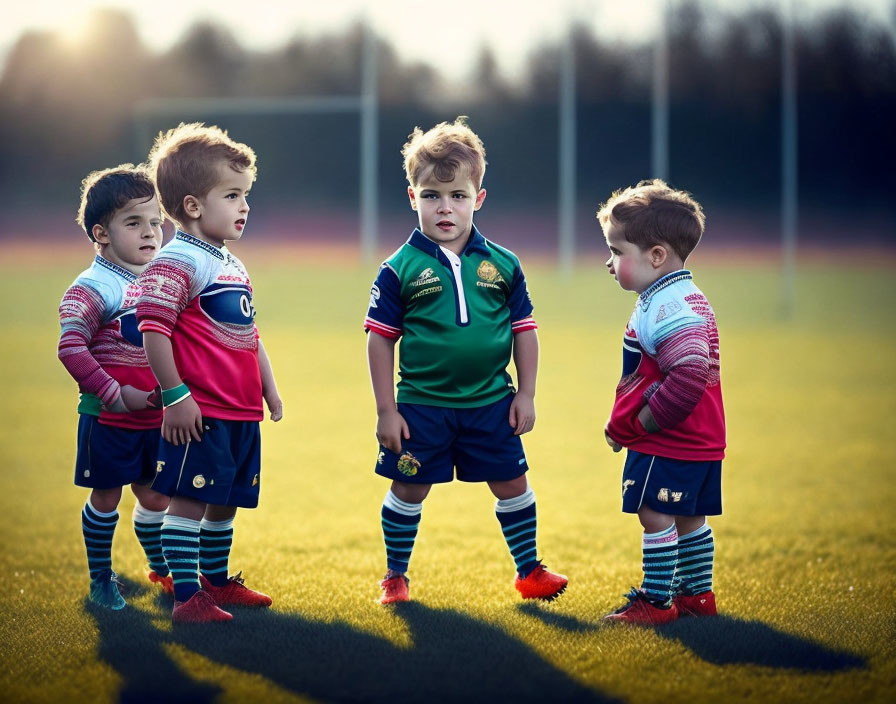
(520, 304)
(165, 292)
(80, 316)
(385, 313)
(683, 359)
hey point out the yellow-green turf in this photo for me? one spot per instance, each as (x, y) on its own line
(805, 552)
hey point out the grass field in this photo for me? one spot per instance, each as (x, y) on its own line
(805, 556)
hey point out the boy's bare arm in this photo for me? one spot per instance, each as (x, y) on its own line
(182, 420)
(390, 426)
(525, 358)
(268, 385)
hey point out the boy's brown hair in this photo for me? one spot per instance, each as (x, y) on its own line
(653, 213)
(105, 191)
(445, 147)
(184, 161)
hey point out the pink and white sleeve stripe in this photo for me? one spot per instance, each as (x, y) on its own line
(165, 292)
(80, 316)
(527, 323)
(683, 359)
(381, 328)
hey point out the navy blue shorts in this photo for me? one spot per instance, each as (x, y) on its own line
(109, 457)
(224, 469)
(479, 442)
(676, 487)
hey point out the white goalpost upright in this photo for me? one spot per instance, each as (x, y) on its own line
(365, 105)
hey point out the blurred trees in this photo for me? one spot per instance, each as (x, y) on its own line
(65, 110)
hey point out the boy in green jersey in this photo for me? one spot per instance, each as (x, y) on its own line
(460, 305)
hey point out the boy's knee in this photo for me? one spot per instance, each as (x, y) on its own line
(149, 499)
(105, 500)
(410, 493)
(654, 521)
(509, 489)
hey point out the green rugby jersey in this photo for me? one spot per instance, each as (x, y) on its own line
(456, 317)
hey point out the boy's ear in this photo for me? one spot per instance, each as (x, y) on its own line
(412, 198)
(192, 207)
(480, 197)
(658, 255)
(99, 233)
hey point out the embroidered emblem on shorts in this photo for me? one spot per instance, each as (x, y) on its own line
(663, 495)
(199, 481)
(408, 464)
(626, 484)
(255, 480)
(86, 472)
(160, 465)
(488, 272)
(380, 457)
(676, 496)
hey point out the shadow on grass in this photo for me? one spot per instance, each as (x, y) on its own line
(551, 618)
(724, 640)
(452, 657)
(132, 645)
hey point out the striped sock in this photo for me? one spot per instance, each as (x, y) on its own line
(148, 527)
(518, 523)
(693, 574)
(400, 522)
(98, 529)
(180, 545)
(660, 555)
(215, 539)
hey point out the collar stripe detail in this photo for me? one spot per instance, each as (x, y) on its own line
(189, 239)
(667, 280)
(114, 268)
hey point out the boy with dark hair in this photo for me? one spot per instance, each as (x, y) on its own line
(118, 428)
(197, 320)
(668, 410)
(460, 305)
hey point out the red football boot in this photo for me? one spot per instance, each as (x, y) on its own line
(235, 593)
(199, 608)
(395, 588)
(542, 584)
(642, 612)
(166, 582)
(696, 604)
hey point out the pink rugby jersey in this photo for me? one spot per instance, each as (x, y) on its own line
(671, 361)
(100, 344)
(200, 296)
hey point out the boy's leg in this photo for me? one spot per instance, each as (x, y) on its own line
(98, 520)
(215, 542)
(515, 509)
(693, 577)
(180, 544)
(400, 519)
(149, 512)
(659, 547)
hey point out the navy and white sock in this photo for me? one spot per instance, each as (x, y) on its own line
(98, 529)
(696, 550)
(148, 527)
(660, 551)
(400, 521)
(215, 541)
(518, 523)
(180, 545)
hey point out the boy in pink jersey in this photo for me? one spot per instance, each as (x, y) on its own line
(668, 411)
(197, 319)
(118, 429)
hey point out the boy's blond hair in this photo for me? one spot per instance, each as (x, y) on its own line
(105, 191)
(184, 162)
(445, 148)
(653, 213)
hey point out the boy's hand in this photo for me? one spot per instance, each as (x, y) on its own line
(522, 413)
(645, 415)
(135, 399)
(181, 422)
(275, 406)
(391, 427)
(611, 442)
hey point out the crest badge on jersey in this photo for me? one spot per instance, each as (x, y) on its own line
(488, 272)
(374, 295)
